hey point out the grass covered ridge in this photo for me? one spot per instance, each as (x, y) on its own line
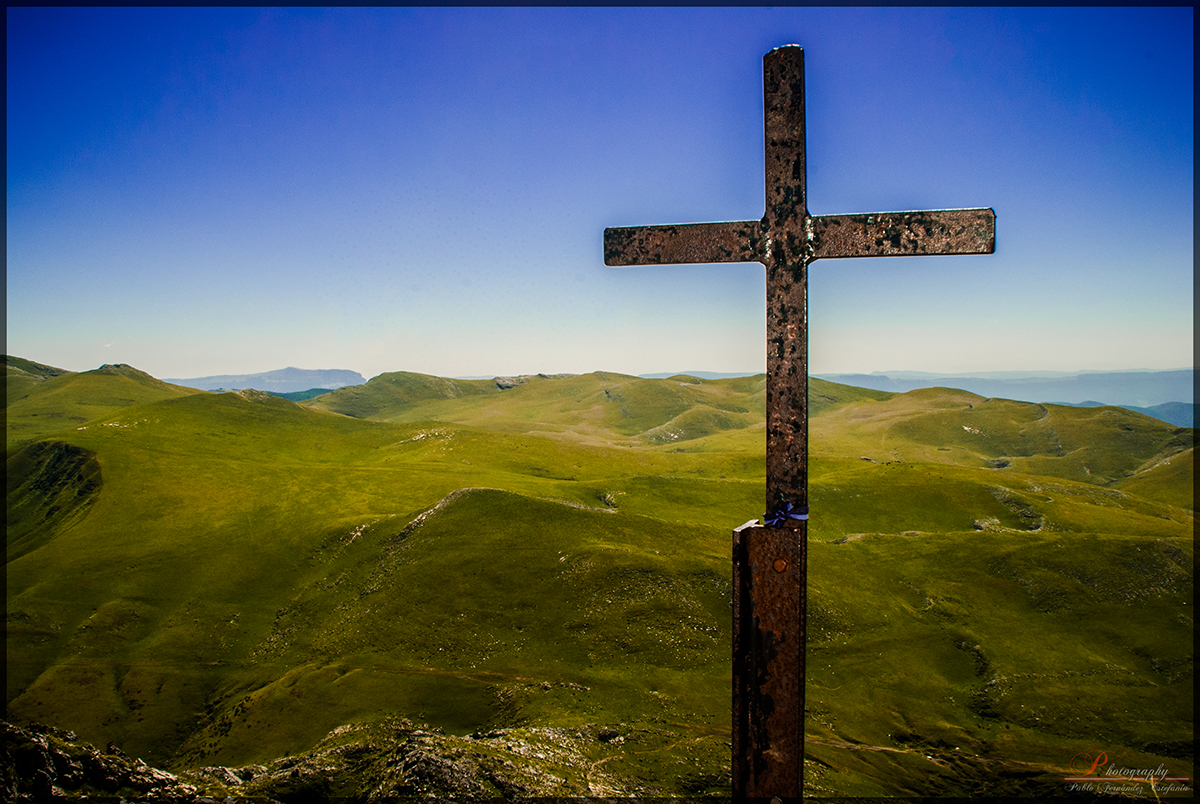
(226, 578)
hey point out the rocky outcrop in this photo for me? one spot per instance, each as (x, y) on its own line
(504, 383)
(371, 762)
(41, 763)
(396, 759)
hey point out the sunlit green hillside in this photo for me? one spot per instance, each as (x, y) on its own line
(598, 407)
(43, 399)
(222, 579)
(601, 407)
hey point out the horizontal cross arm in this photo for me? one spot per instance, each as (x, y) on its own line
(894, 234)
(733, 241)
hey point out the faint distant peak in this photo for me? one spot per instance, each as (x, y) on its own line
(1010, 375)
(285, 380)
(1138, 388)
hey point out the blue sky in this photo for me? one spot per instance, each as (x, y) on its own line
(229, 191)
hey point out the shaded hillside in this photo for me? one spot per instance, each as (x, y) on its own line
(50, 486)
(300, 396)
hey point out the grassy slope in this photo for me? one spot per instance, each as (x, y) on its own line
(598, 407)
(23, 375)
(1105, 446)
(1170, 478)
(481, 651)
(1022, 651)
(59, 401)
(218, 513)
(246, 577)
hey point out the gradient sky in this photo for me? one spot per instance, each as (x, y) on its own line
(229, 191)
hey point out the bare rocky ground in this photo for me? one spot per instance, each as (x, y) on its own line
(360, 763)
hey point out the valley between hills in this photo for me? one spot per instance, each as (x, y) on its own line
(521, 587)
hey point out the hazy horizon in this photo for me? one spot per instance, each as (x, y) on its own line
(894, 373)
(205, 191)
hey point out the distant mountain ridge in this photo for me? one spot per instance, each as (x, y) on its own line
(1165, 395)
(287, 380)
(1141, 389)
(1181, 414)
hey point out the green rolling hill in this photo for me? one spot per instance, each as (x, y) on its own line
(601, 407)
(24, 375)
(43, 399)
(225, 579)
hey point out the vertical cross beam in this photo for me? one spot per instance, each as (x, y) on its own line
(770, 561)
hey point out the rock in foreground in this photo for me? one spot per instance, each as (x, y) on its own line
(365, 763)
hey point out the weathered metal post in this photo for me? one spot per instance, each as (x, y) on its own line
(770, 560)
(769, 569)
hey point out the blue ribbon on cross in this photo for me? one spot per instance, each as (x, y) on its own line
(784, 514)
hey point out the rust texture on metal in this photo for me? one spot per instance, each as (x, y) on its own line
(895, 234)
(769, 562)
(768, 662)
(687, 243)
(788, 255)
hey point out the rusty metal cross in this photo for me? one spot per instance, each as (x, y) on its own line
(770, 561)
